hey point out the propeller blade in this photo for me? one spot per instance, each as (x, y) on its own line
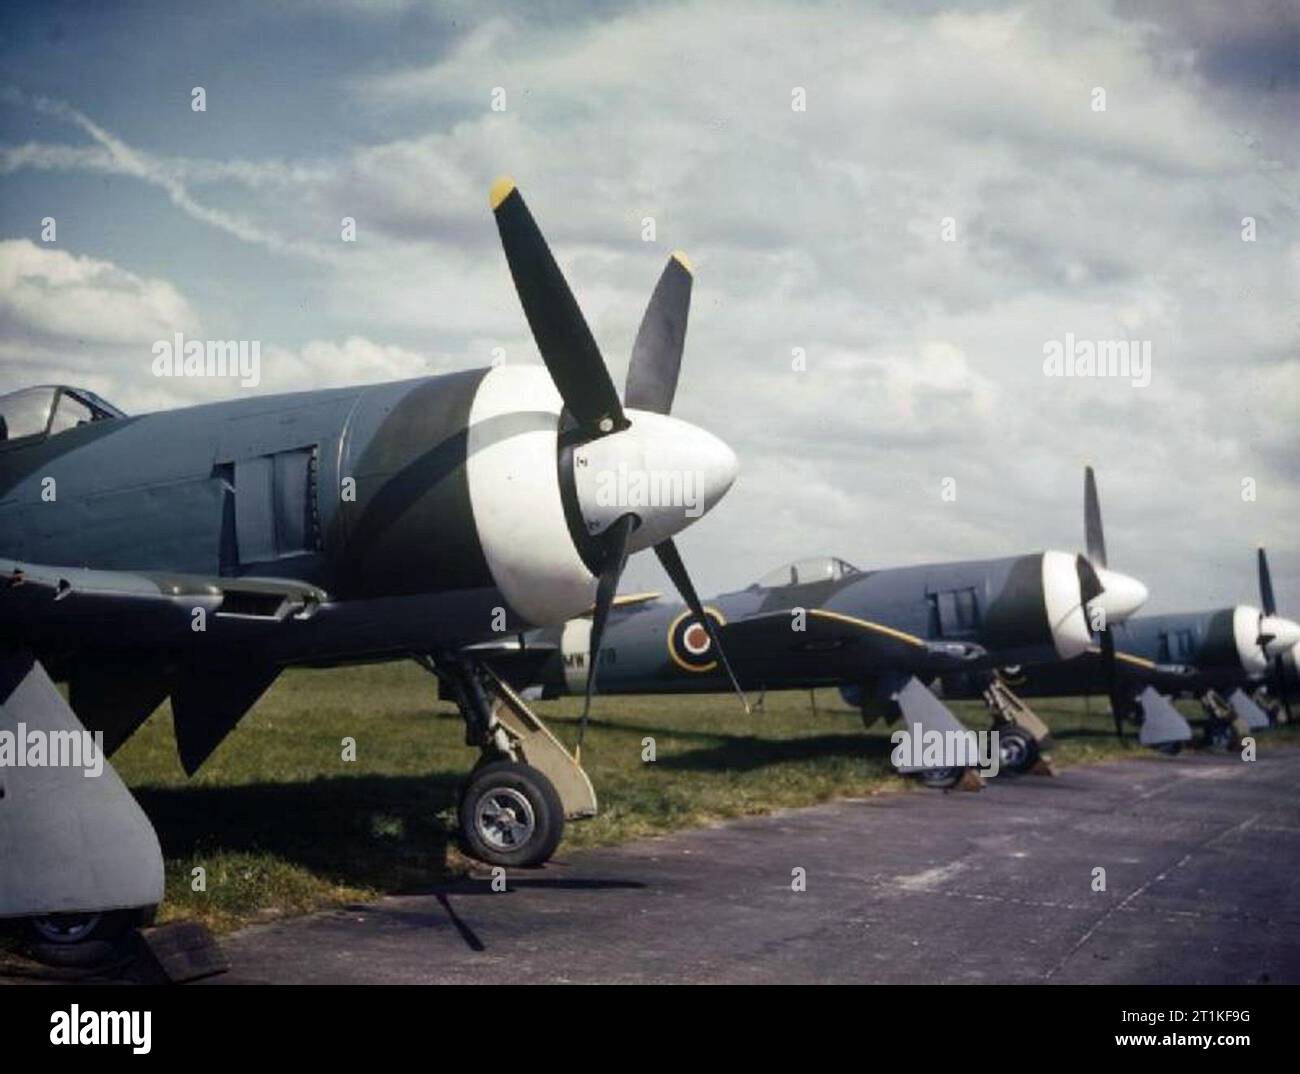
(563, 338)
(1111, 674)
(1090, 586)
(657, 353)
(615, 540)
(676, 569)
(1266, 586)
(1283, 694)
(1094, 538)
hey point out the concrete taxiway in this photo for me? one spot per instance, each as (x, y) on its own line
(1202, 885)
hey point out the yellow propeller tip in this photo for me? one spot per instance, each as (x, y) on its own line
(684, 261)
(500, 191)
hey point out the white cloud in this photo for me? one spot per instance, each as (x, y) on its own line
(821, 230)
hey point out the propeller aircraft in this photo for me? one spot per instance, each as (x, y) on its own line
(1205, 655)
(193, 554)
(881, 636)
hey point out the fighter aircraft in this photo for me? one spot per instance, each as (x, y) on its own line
(879, 635)
(195, 553)
(1203, 655)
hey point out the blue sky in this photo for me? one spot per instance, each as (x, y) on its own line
(816, 229)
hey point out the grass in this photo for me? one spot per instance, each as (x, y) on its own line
(282, 824)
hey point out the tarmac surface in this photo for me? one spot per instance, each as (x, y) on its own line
(1202, 885)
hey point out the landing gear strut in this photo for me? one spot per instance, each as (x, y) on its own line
(1022, 736)
(525, 784)
(1222, 727)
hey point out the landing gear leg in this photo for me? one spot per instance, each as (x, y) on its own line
(525, 783)
(1222, 727)
(1022, 736)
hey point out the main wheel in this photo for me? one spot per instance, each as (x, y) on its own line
(510, 814)
(1170, 749)
(68, 929)
(942, 778)
(1017, 749)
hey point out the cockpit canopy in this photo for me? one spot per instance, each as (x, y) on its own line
(48, 410)
(807, 572)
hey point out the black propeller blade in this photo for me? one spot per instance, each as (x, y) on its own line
(1269, 606)
(615, 541)
(1094, 539)
(1090, 587)
(561, 332)
(1111, 675)
(575, 364)
(672, 564)
(1266, 601)
(657, 353)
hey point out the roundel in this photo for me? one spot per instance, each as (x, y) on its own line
(689, 643)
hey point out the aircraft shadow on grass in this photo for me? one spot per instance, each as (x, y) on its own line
(365, 831)
(384, 832)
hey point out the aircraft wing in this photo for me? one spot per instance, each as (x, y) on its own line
(126, 641)
(826, 644)
(74, 606)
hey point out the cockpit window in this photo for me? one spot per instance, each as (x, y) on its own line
(25, 413)
(807, 572)
(69, 412)
(50, 409)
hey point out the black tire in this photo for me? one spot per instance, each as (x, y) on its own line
(1220, 734)
(1170, 749)
(1018, 749)
(528, 822)
(67, 930)
(943, 779)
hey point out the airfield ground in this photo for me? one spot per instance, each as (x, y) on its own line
(281, 824)
(1199, 886)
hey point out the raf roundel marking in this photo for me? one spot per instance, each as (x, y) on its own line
(689, 643)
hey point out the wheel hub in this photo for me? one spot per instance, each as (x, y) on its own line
(65, 928)
(505, 819)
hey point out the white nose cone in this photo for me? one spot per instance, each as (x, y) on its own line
(1284, 634)
(666, 472)
(1123, 595)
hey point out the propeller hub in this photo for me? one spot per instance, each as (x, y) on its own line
(666, 472)
(1278, 633)
(1121, 596)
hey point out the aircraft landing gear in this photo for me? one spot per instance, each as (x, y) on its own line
(1018, 750)
(1222, 729)
(1022, 736)
(525, 784)
(510, 814)
(943, 779)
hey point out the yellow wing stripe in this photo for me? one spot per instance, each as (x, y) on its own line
(879, 628)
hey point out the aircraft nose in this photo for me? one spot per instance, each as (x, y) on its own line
(1282, 634)
(665, 471)
(1122, 595)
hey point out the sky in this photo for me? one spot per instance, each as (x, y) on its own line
(879, 274)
